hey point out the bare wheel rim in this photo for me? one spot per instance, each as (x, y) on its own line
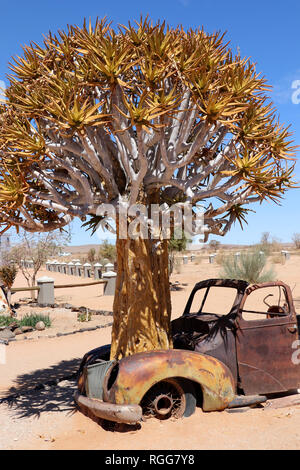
(164, 400)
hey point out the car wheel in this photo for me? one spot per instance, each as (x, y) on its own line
(169, 398)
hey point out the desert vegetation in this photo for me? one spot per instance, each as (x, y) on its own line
(27, 320)
(249, 266)
(36, 248)
(8, 274)
(296, 240)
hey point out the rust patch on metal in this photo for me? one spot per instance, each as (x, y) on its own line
(138, 373)
(264, 346)
(128, 414)
(226, 355)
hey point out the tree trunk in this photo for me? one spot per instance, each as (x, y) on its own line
(33, 294)
(142, 304)
(8, 295)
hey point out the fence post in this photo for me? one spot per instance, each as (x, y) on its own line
(50, 264)
(77, 269)
(212, 258)
(110, 286)
(59, 267)
(46, 292)
(55, 264)
(286, 254)
(87, 270)
(64, 267)
(97, 271)
(71, 268)
(108, 267)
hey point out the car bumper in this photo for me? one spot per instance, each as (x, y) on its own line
(128, 414)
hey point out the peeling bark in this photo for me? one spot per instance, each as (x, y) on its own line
(142, 304)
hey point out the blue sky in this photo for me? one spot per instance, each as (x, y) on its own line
(264, 30)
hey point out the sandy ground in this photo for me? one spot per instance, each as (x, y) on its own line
(88, 296)
(46, 419)
(64, 320)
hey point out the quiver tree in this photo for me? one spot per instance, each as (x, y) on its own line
(149, 114)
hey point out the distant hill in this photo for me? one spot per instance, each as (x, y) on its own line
(190, 247)
(81, 248)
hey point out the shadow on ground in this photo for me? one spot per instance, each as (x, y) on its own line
(109, 425)
(51, 390)
(44, 390)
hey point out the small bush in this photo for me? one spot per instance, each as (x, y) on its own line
(6, 321)
(91, 256)
(83, 317)
(276, 246)
(296, 240)
(214, 245)
(8, 274)
(108, 251)
(249, 266)
(278, 259)
(267, 245)
(220, 258)
(178, 265)
(31, 320)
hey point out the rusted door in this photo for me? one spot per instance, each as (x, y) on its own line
(266, 341)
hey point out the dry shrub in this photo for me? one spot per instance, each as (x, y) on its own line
(219, 259)
(249, 266)
(178, 265)
(276, 246)
(296, 240)
(278, 259)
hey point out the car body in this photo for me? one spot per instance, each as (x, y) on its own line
(230, 348)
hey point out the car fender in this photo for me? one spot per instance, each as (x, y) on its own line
(129, 380)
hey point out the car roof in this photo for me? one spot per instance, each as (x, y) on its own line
(238, 284)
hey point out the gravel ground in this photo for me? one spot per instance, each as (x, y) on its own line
(36, 416)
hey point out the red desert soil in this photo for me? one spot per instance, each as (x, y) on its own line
(46, 419)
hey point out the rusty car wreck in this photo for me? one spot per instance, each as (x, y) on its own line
(233, 354)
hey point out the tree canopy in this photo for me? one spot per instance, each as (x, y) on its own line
(95, 113)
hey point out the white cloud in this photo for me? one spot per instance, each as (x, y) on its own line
(296, 93)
